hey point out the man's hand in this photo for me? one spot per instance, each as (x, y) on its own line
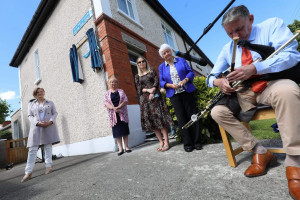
(223, 84)
(241, 73)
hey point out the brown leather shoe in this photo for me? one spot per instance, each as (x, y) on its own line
(260, 163)
(293, 177)
(26, 177)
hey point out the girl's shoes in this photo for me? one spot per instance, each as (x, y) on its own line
(48, 170)
(165, 148)
(26, 177)
(120, 153)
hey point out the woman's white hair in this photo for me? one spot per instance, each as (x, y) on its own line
(111, 79)
(164, 47)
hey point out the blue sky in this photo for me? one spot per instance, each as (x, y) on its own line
(192, 15)
(16, 16)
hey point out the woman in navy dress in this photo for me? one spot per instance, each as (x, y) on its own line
(116, 104)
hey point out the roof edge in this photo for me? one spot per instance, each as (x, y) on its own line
(167, 16)
(36, 24)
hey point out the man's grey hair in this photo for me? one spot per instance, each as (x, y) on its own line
(234, 13)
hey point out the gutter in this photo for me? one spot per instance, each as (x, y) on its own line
(161, 11)
(37, 22)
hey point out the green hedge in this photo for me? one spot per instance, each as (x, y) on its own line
(6, 135)
(209, 128)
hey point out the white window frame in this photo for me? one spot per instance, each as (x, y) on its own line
(37, 68)
(135, 19)
(16, 130)
(172, 36)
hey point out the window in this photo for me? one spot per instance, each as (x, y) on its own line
(127, 7)
(132, 58)
(16, 130)
(169, 36)
(37, 67)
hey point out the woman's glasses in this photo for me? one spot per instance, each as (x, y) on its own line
(142, 61)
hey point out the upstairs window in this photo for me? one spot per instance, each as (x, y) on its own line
(127, 7)
(37, 68)
(169, 36)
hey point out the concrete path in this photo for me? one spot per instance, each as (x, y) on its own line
(147, 174)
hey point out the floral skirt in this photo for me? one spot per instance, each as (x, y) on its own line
(154, 114)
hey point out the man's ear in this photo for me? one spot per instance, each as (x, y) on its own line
(251, 18)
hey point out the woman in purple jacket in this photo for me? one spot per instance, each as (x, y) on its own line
(176, 77)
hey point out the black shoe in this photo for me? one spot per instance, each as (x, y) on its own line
(188, 149)
(198, 147)
(120, 153)
(128, 151)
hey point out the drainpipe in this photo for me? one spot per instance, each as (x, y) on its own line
(98, 44)
(103, 72)
(21, 98)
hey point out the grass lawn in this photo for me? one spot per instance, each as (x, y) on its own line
(261, 129)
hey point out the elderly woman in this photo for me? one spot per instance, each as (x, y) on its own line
(116, 104)
(154, 113)
(43, 131)
(176, 77)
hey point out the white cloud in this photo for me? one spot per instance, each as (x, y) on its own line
(9, 95)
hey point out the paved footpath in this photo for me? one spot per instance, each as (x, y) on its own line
(147, 174)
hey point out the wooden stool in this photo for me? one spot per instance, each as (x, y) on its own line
(264, 112)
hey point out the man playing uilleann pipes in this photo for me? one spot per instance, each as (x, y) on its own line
(282, 94)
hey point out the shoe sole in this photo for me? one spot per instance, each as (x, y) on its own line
(292, 196)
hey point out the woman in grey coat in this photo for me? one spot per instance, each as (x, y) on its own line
(43, 131)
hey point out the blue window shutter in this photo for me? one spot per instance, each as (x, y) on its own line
(75, 65)
(96, 61)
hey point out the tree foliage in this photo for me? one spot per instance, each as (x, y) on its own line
(4, 110)
(6, 135)
(294, 27)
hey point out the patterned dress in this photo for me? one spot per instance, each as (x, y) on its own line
(154, 113)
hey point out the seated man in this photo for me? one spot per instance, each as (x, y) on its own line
(282, 94)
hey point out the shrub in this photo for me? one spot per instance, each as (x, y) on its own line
(6, 135)
(209, 128)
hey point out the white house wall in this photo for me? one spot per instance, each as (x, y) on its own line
(81, 115)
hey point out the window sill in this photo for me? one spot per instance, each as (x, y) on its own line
(130, 19)
(37, 81)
